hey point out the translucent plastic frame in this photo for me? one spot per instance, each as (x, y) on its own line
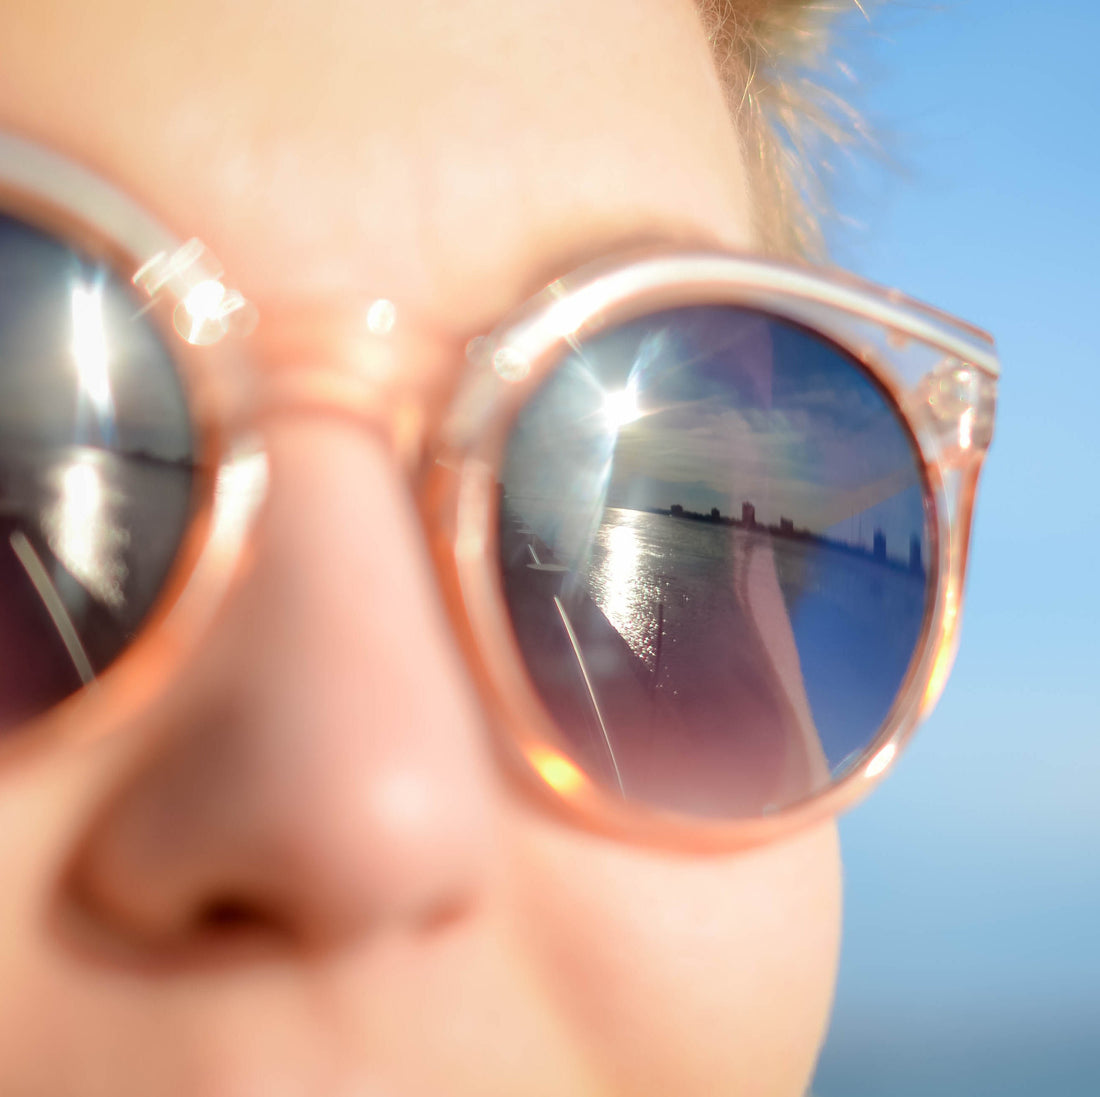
(940, 373)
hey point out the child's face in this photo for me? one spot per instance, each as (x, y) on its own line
(408, 923)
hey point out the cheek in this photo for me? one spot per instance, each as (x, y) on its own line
(688, 976)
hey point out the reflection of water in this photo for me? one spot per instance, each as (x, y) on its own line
(641, 563)
(855, 620)
(86, 539)
(621, 573)
(113, 522)
(618, 580)
(81, 522)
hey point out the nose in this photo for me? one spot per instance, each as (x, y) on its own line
(319, 769)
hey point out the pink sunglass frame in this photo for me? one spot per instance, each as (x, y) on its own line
(940, 372)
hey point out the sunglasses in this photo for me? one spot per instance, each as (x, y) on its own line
(701, 521)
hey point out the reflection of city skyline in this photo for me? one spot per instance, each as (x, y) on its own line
(878, 549)
(849, 488)
(726, 408)
(886, 496)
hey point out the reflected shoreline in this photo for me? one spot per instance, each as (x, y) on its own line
(787, 531)
(678, 606)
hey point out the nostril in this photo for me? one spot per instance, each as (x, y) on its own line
(230, 916)
(225, 922)
(439, 919)
(227, 914)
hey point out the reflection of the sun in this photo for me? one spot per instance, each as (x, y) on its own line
(90, 354)
(621, 408)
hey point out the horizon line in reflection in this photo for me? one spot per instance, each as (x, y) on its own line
(787, 530)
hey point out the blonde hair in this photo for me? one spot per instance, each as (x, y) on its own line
(773, 58)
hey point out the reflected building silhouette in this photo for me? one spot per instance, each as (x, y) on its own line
(786, 530)
(916, 563)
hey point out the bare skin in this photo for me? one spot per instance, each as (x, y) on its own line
(406, 922)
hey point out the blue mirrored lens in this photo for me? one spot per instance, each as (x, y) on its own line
(96, 469)
(714, 552)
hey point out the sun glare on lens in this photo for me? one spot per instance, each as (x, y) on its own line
(89, 347)
(557, 770)
(620, 408)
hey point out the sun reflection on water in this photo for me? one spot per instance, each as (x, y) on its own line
(620, 576)
(82, 531)
(619, 580)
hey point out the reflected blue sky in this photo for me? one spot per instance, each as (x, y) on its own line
(971, 963)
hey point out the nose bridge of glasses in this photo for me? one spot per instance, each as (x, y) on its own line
(350, 359)
(364, 361)
(333, 390)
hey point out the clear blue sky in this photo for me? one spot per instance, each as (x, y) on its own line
(971, 961)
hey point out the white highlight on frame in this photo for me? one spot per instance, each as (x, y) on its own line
(204, 301)
(881, 760)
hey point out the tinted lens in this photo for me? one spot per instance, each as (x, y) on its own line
(714, 546)
(96, 469)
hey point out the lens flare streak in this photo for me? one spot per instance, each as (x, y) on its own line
(557, 771)
(89, 350)
(586, 675)
(621, 408)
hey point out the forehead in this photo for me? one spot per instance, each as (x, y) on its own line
(447, 155)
